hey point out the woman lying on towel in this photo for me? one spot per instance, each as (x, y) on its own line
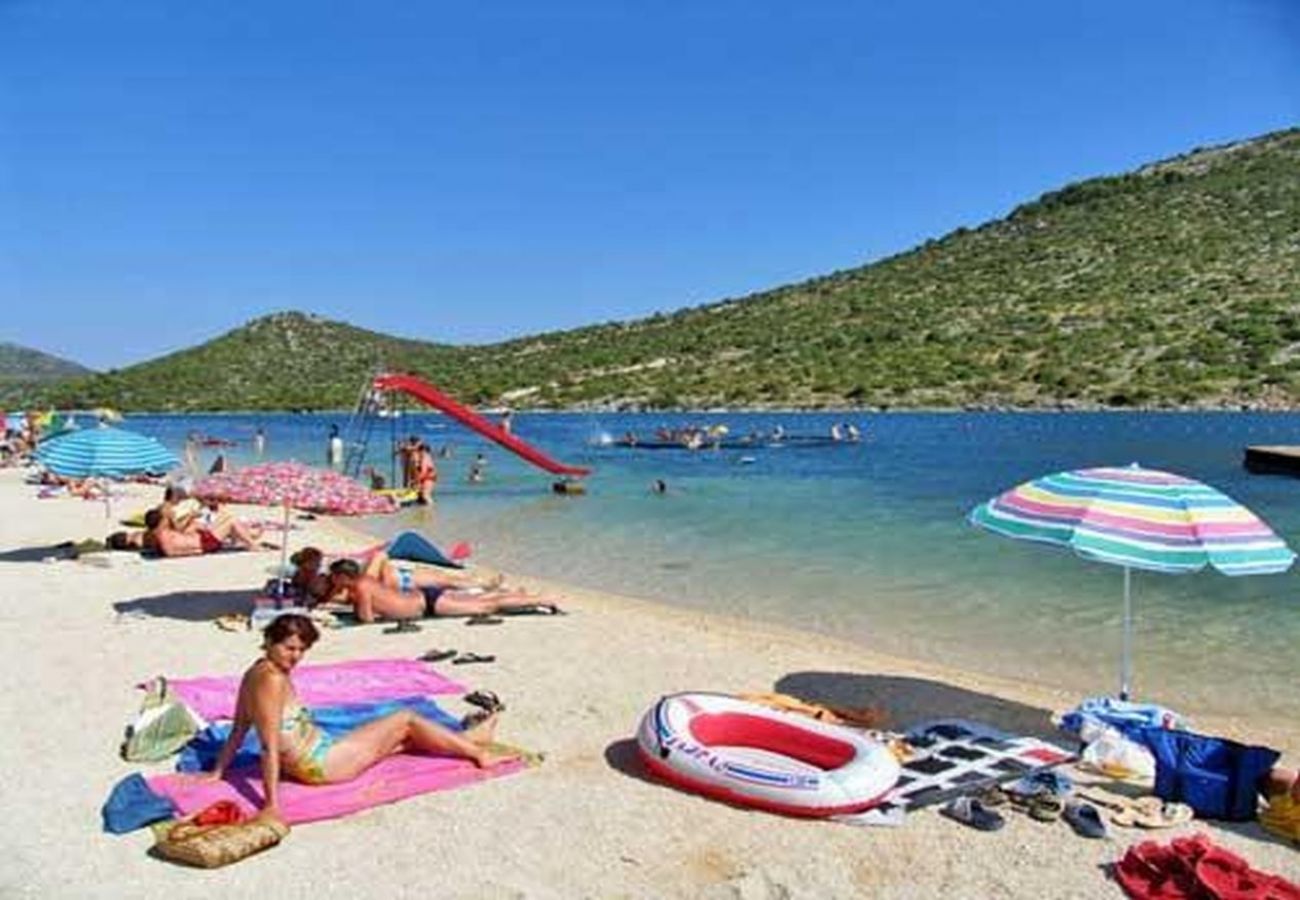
(310, 580)
(374, 597)
(294, 746)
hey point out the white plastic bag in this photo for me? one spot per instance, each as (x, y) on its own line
(1114, 755)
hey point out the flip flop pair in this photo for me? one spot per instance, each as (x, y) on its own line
(484, 700)
(467, 658)
(406, 626)
(1143, 812)
(437, 655)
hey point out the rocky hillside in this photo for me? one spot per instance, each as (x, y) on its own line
(1176, 284)
(23, 370)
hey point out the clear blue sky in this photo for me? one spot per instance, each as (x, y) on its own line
(466, 172)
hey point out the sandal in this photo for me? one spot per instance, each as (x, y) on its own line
(466, 658)
(437, 655)
(970, 811)
(484, 700)
(405, 626)
(484, 619)
(1084, 819)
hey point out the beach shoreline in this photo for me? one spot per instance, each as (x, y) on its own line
(587, 822)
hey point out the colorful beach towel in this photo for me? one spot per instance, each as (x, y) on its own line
(390, 780)
(200, 754)
(953, 757)
(330, 684)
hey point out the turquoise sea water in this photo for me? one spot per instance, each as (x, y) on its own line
(869, 541)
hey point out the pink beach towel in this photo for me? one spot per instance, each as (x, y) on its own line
(329, 684)
(388, 781)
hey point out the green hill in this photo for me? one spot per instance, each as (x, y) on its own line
(1177, 284)
(24, 370)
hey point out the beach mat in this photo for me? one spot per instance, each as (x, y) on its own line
(329, 684)
(200, 754)
(390, 780)
(953, 757)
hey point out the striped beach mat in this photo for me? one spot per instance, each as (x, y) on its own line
(952, 757)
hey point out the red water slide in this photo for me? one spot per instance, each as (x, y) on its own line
(427, 393)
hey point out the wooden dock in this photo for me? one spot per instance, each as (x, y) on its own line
(1275, 460)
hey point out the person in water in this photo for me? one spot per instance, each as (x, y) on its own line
(294, 746)
(426, 474)
(373, 598)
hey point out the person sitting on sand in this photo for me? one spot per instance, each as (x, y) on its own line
(373, 599)
(293, 745)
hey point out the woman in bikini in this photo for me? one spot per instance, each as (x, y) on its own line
(294, 746)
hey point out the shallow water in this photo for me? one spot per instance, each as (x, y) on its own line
(869, 541)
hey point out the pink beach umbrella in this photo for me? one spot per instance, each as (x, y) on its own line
(294, 485)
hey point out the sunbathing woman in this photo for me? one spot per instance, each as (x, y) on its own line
(293, 745)
(310, 580)
(374, 599)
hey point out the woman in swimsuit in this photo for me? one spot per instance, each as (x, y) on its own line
(295, 747)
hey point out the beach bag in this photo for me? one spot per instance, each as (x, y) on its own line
(211, 846)
(1216, 777)
(164, 726)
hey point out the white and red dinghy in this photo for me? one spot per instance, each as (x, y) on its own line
(751, 755)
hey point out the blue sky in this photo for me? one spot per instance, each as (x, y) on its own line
(475, 171)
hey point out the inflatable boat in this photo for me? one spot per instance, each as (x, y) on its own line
(751, 755)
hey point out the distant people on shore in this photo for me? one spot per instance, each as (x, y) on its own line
(259, 442)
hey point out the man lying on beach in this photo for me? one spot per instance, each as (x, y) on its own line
(227, 534)
(373, 599)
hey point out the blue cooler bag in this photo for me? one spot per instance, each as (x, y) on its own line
(1216, 777)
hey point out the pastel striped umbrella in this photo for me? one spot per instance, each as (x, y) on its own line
(1139, 519)
(112, 452)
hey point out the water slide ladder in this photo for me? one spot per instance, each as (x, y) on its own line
(428, 394)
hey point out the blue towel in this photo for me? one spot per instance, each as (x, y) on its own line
(133, 804)
(1123, 715)
(1216, 777)
(200, 754)
(415, 547)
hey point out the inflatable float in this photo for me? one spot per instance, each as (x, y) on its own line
(401, 496)
(752, 755)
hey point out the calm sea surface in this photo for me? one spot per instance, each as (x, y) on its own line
(869, 541)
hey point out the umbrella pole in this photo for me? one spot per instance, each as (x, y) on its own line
(1126, 670)
(284, 552)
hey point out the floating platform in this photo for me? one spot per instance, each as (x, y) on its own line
(1273, 460)
(740, 443)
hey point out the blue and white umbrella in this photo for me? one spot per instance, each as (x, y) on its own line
(111, 452)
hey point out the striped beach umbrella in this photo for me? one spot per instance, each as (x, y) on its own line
(104, 451)
(1139, 519)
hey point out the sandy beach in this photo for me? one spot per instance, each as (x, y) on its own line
(75, 637)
